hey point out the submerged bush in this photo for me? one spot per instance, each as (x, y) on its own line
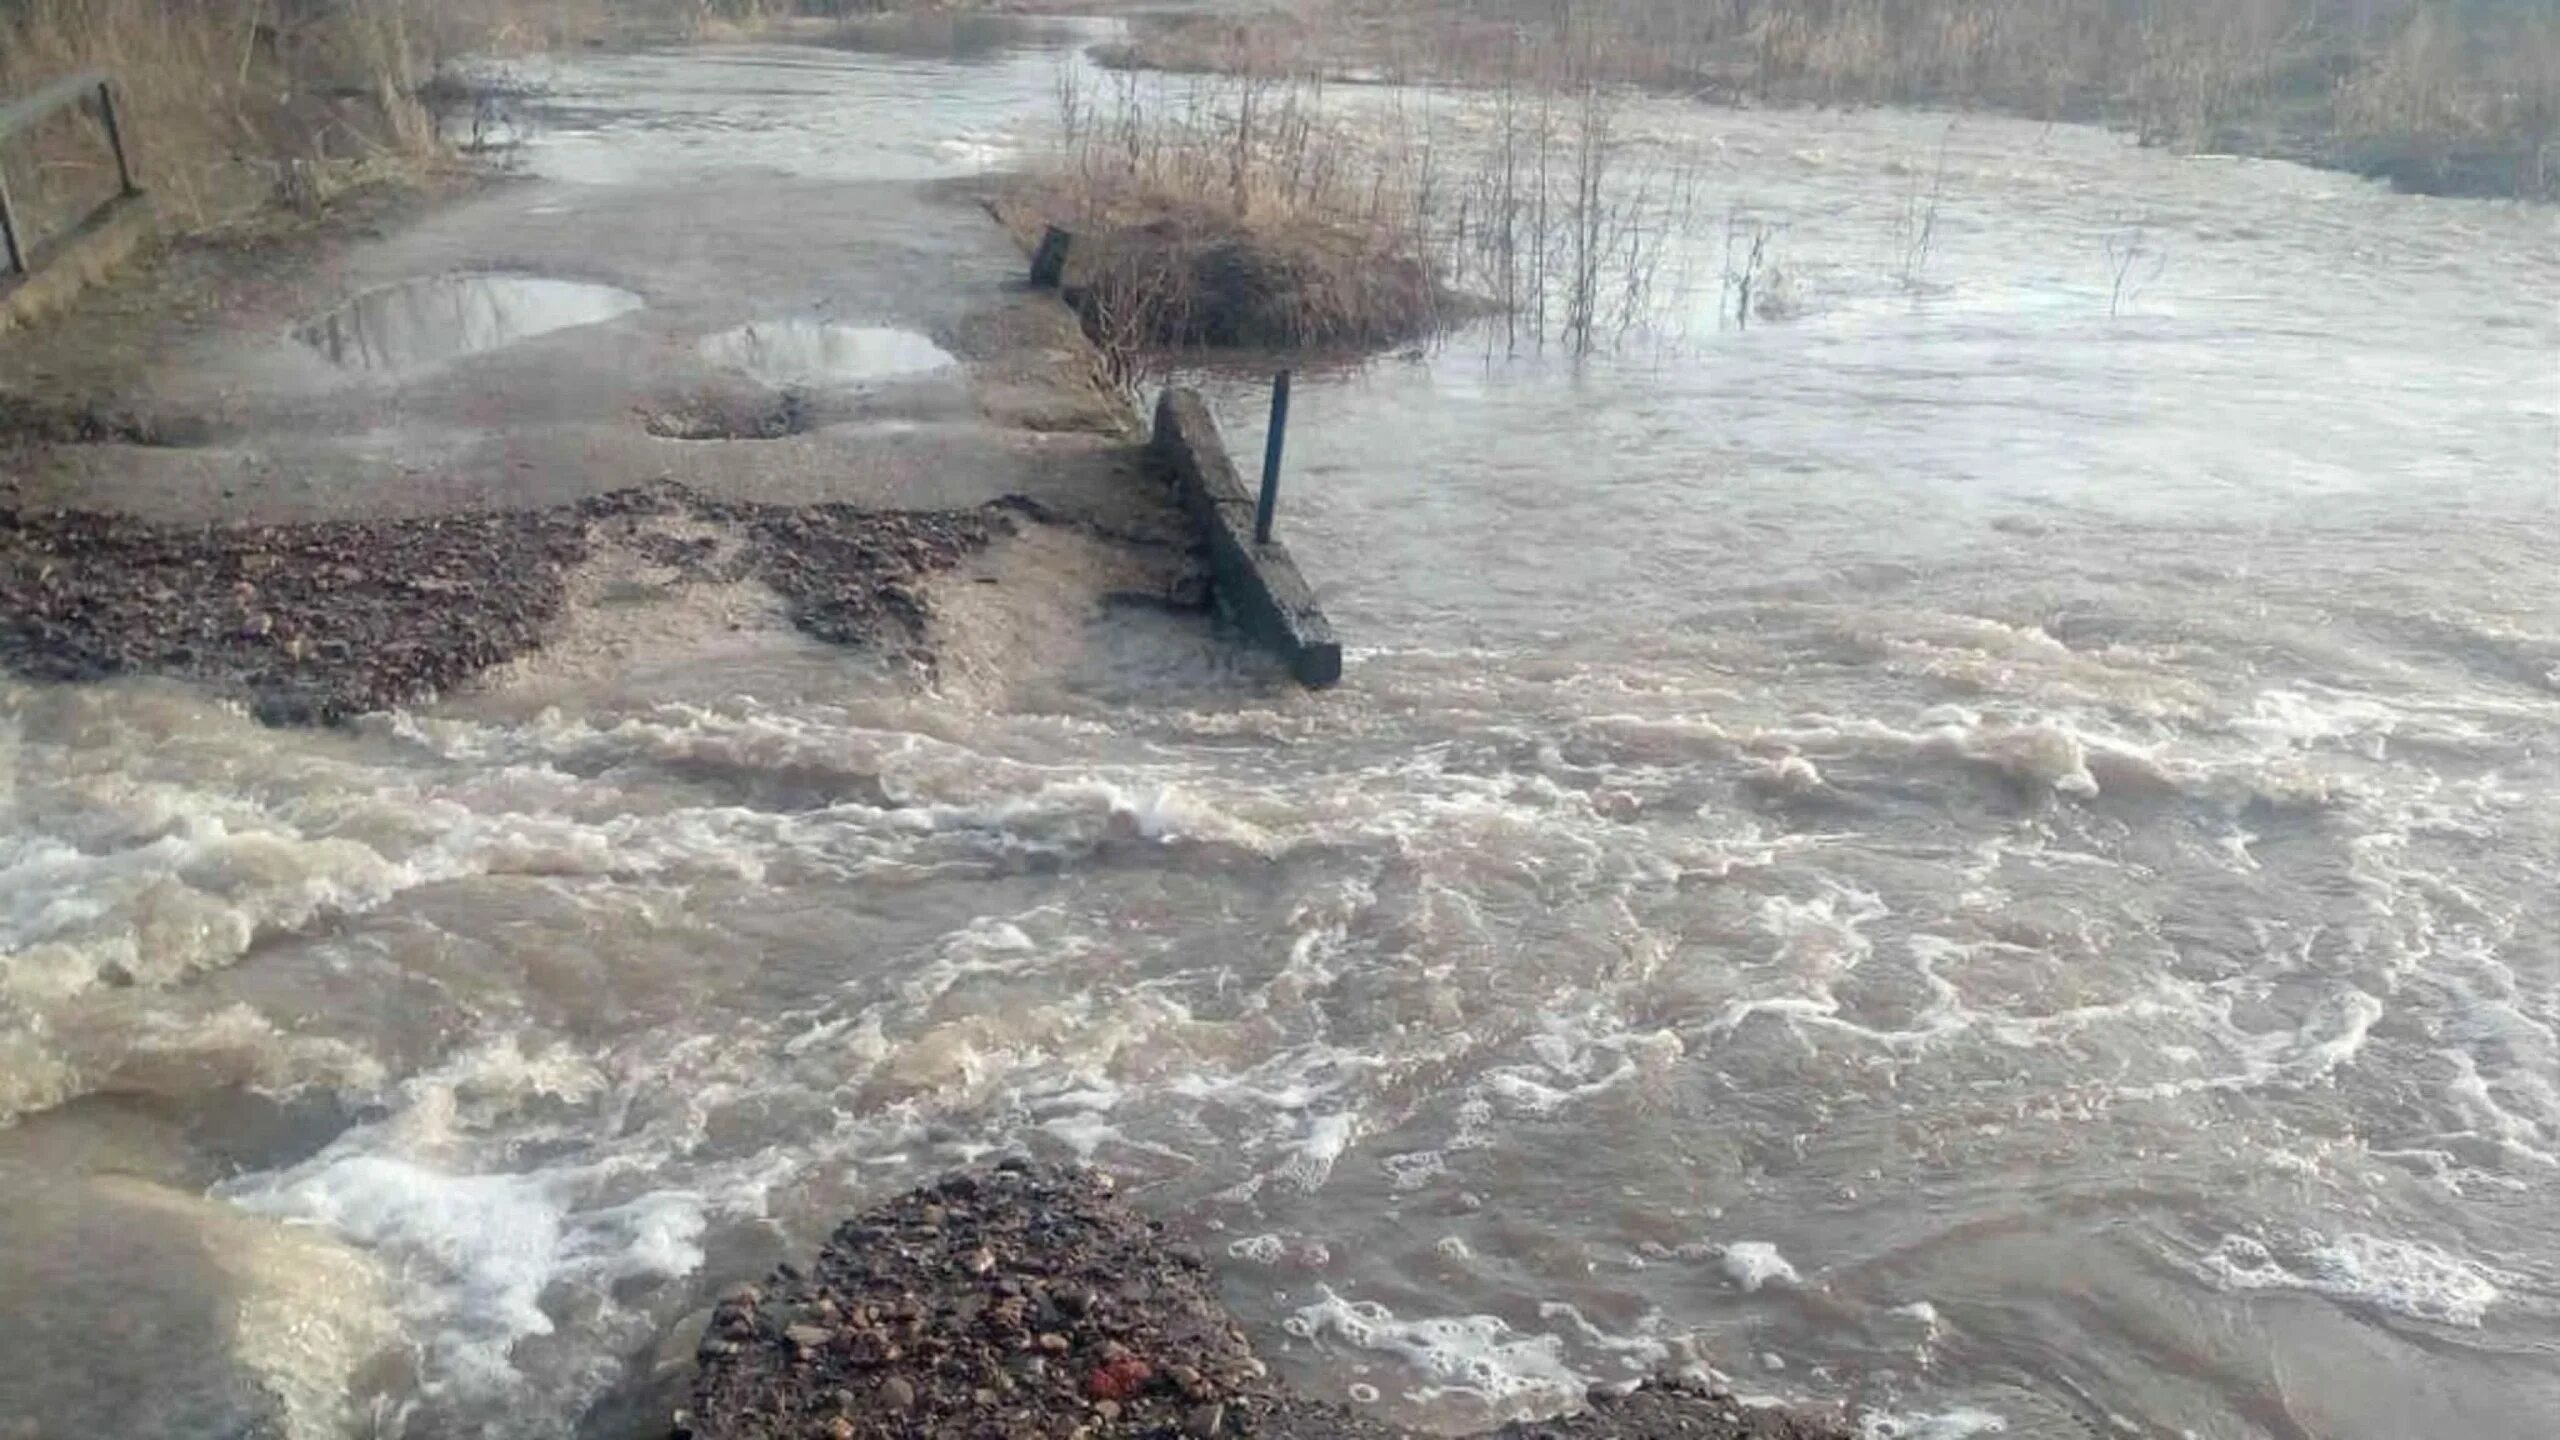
(1153, 272)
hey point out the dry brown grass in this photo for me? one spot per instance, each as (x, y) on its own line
(2449, 103)
(1264, 208)
(231, 104)
(1153, 271)
(2445, 94)
(1235, 211)
(228, 103)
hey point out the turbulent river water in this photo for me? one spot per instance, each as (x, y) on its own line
(1984, 849)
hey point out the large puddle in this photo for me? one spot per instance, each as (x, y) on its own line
(424, 323)
(814, 354)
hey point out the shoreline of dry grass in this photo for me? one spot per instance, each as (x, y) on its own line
(2447, 97)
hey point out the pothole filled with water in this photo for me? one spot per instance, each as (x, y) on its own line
(815, 353)
(423, 323)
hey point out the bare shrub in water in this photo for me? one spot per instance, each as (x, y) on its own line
(1565, 224)
(1916, 228)
(1270, 208)
(2133, 264)
(1236, 211)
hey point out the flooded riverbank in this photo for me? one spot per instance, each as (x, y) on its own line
(1962, 853)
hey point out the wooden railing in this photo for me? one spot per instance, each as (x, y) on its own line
(17, 248)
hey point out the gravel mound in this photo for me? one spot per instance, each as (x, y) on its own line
(1028, 1303)
(315, 623)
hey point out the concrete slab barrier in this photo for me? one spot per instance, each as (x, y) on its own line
(1256, 584)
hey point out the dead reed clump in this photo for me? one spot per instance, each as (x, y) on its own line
(1279, 207)
(1154, 271)
(1235, 212)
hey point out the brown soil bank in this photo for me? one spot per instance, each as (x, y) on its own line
(320, 622)
(1028, 1303)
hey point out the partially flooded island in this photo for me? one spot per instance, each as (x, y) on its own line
(1881, 768)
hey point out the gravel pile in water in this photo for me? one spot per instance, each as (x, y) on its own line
(317, 622)
(1028, 1303)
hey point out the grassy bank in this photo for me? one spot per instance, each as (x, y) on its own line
(227, 103)
(2455, 96)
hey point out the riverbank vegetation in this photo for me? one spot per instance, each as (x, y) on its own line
(1269, 206)
(229, 105)
(233, 104)
(1236, 180)
(2455, 96)
(1233, 212)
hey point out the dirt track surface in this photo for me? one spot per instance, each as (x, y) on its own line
(325, 620)
(1030, 1303)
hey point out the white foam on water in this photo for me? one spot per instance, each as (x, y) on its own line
(1259, 1249)
(159, 907)
(1753, 1264)
(476, 1251)
(2331, 1035)
(1311, 1164)
(978, 152)
(1414, 1170)
(309, 1313)
(152, 1051)
(481, 1247)
(1643, 1352)
(2042, 752)
(1085, 1132)
(2526, 1124)
(1479, 1356)
(1576, 1058)
(1961, 1423)
(2404, 1277)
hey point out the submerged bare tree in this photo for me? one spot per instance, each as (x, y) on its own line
(1746, 264)
(1567, 226)
(2133, 264)
(1917, 227)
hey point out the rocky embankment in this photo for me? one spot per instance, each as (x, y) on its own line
(321, 621)
(1028, 1303)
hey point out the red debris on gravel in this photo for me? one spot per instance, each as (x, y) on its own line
(1029, 1303)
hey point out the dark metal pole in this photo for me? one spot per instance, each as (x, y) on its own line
(10, 247)
(115, 136)
(1272, 440)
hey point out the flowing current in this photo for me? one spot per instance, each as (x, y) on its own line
(1983, 849)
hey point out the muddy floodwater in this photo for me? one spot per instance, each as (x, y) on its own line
(1982, 848)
